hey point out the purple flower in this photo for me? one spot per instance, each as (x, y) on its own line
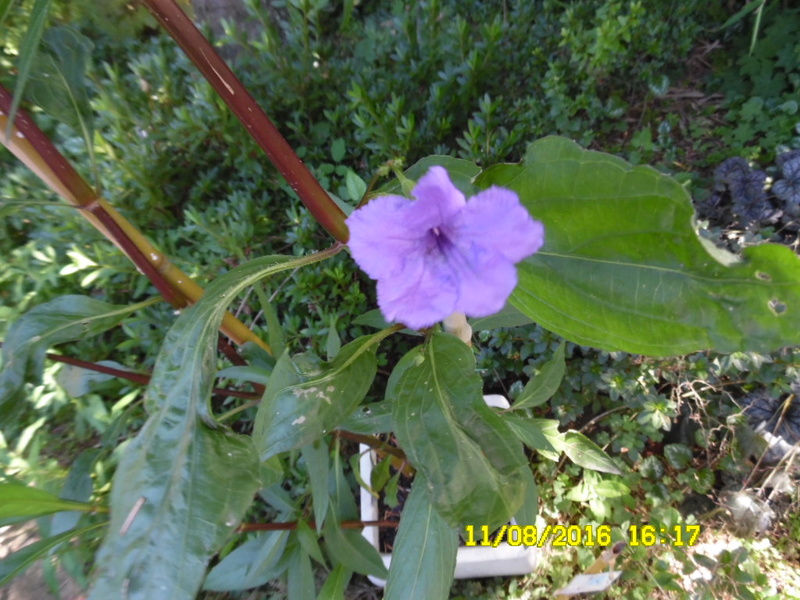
(439, 253)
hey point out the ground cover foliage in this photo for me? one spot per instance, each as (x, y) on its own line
(353, 85)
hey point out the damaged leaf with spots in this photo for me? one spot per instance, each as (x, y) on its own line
(307, 397)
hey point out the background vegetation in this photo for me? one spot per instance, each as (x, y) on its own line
(661, 83)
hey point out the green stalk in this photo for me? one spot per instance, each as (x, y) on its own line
(258, 125)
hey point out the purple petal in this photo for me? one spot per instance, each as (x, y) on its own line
(421, 298)
(382, 240)
(495, 219)
(438, 200)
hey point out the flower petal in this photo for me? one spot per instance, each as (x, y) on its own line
(424, 296)
(438, 200)
(382, 238)
(495, 219)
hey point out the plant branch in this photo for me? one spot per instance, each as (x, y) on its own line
(28, 143)
(258, 125)
(136, 377)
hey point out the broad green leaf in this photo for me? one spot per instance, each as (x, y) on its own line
(542, 387)
(369, 419)
(252, 564)
(184, 483)
(623, 268)
(27, 54)
(424, 553)
(14, 564)
(470, 459)
(57, 82)
(18, 500)
(586, 453)
(336, 584)
(61, 320)
(308, 397)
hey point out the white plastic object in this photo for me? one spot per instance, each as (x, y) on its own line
(472, 562)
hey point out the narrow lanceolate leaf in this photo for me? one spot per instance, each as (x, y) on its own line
(17, 500)
(586, 453)
(472, 462)
(424, 553)
(57, 82)
(542, 387)
(14, 564)
(308, 397)
(27, 53)
(183, 483)
(61, 320)
(623, 268)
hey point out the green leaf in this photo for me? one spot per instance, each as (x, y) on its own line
(352, 550)
(184, 483)
(249, 373)
(587, 454)
(252, 564)
(471, 460)
(336, 584)
(508, 317)
(369, 419)
(27, 53)
(300, 576)
(356, 187)
(308, 397)
(462, 172)
(424, 553)
(623, 268)
(18, 500)
(317, 462)
(338, 150)
(14, 564)
(542, 387)
(57, 82)
(333, 343)
(541, 435)
(5, 9)
(527, 513)
(61, 320)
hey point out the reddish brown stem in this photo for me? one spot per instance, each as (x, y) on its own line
(225, 83)
(291, 526)
(141, 378)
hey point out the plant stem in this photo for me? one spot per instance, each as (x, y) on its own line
(28, 143)
(258, 125)
(136, 377)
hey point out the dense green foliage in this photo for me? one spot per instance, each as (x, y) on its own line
(351, 91)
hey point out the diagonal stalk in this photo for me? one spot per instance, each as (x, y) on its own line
(258, 125)
(28, 143)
